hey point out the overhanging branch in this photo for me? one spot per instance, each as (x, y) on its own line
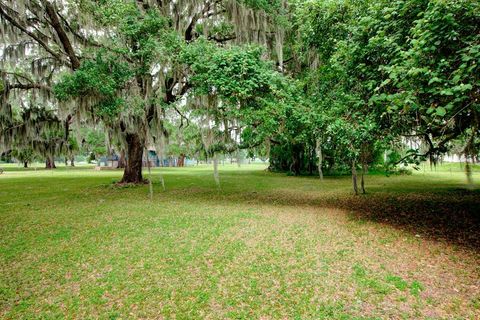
(32, 35)
(67, 46)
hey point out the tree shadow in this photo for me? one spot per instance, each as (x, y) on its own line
(444, 213)
(451, 216)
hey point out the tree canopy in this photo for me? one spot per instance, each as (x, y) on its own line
(313, 85)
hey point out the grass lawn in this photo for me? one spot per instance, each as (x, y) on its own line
(265, 246)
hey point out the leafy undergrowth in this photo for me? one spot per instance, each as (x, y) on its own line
(264, 246)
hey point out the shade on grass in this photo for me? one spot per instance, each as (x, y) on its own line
(266, 245)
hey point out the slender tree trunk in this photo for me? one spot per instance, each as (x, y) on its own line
(66, 161)
(354, 177)
(133, 167)
(121, 159)
(25, 164)
(216, 176)
(318, 149)
(238, 158)
(364, 171)
(72, 161)
(468, 172)
(311, 161)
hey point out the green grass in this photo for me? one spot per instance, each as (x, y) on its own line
(264, 246)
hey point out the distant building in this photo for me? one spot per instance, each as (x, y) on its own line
(152, 159)
(109, 162)
(112, 161)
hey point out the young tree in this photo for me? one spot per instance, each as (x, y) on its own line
(24, 156)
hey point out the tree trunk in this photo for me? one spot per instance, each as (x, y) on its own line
(216, 176)
(311, 162)
(238, 158)
(133, 167)
(320, 158)
(181, 160)
(295, 166)
(50, 163)
(364, 171)
(121, 159)
(150, 182)
(468, 172)
(354, 178)
(66, 161)
(72, 161)
(25, 164)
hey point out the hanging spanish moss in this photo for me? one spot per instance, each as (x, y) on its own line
(52, 39)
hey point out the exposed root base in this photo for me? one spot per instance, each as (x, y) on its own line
(131, 184)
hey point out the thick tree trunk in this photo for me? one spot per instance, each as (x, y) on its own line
(181, 160)
(150, 182)
(50, 163)
(25, 164)
(354, 178)
(133, 167)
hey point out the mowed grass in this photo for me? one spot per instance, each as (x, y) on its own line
(263, 246)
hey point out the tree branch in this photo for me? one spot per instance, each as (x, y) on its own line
(220, 40)
(29, 86)
(29, 33)
(78, 35)
(67, 46)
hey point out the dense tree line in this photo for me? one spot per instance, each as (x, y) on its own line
(316, 86)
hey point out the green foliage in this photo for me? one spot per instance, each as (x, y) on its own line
(94, 142)
(438, 72)
(357, 78)
(24, 155)
(235, 74)
(142, 34)
(250, 91)
(266, 5)
(387, 69)
(101, 78)
(322, 24)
